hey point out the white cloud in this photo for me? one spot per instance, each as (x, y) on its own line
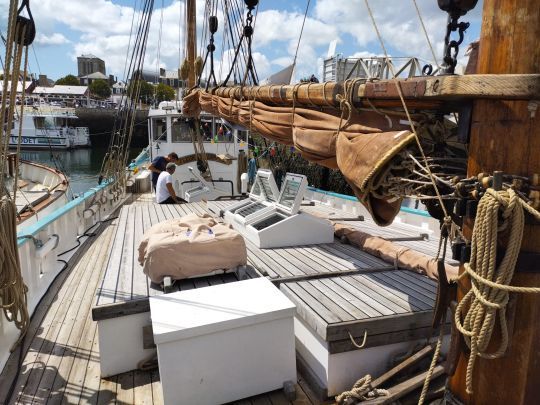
(53, 39)
(397, 21)
(103, 28)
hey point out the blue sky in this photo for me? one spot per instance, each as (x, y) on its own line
(68, 28)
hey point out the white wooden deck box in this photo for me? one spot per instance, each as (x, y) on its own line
(222, 343)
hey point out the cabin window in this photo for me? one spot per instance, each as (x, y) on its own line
(159, 130)
(180, 131)
(44, 122)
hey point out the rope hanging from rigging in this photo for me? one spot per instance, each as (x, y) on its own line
(13, 301)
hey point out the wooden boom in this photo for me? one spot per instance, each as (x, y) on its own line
(425, 91)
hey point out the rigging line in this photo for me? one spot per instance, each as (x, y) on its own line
(245, 46)
(413, 129)
(299, 40)
(141, 61)
(127, 71)
(158, 56)
(130, 37)
(223, 37)
(426, 34)
(36, 58)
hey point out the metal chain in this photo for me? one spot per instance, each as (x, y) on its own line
(451, 47)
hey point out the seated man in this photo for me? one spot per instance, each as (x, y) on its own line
(158, 165)
(164, 189)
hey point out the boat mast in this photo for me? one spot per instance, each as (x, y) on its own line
(505, 136)
(191, 25)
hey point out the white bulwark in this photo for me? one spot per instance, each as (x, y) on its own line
(245, 327)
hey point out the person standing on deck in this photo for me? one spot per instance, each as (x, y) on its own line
(159, 164)
(164, 189)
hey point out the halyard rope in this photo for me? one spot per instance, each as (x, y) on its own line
(13, 300)
(490, 290)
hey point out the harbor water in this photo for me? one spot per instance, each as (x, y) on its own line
(81, 166)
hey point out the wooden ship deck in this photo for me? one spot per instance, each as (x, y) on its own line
(338, 289)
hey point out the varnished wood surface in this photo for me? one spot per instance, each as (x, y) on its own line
(60, 357)
(506, 136)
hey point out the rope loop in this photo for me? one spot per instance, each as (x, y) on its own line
(476, 314)
(361, 391)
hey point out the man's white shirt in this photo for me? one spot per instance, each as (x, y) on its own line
(161, 186)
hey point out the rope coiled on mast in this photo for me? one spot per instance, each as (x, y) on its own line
(477, 312)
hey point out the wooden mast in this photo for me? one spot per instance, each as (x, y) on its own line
(505, 135)
(191, 26)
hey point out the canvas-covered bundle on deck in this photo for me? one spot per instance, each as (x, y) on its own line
(190, 246)
(361, 144)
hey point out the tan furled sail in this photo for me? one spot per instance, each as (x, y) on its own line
(356, 143)
(364, 160)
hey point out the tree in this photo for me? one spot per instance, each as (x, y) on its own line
(146, 93)
(68, 80)
(164, 93)
(100, 89)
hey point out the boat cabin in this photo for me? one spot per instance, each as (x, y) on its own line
(221, 146)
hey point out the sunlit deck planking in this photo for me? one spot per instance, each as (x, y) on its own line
(60, 357)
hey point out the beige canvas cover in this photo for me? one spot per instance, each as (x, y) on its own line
(401, 256)
(190, 246)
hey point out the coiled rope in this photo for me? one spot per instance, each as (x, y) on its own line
(12, 288)
(490, 283)
(13, 299)
(361, 391)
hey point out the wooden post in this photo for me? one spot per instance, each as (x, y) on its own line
(505, 135)
(191, 51)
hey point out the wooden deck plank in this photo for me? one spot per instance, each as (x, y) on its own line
(416, 295)
(343, 303)
(139, 288)
(124, 388)
(41, 318)
(309, 315)
(107, 391)
(294, 261)
(107, 291)
(124, 289)
(317, 306)
(157, 392)
(361, 299)
(271, 265)
(159, 212)
(386, 295)
(142, 382)
(92, 377)
(75, 355)
(325, 300)
(56, 330)
(364, 311)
